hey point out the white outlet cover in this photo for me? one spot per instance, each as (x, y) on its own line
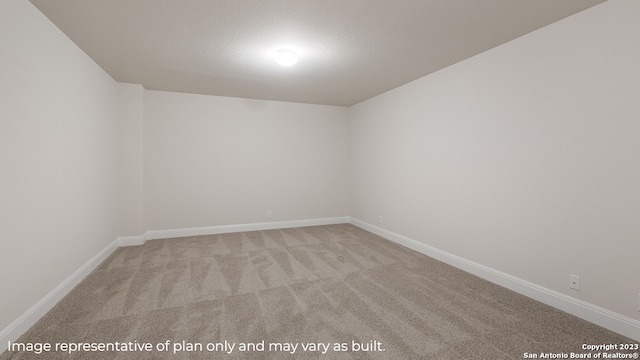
(574, 282)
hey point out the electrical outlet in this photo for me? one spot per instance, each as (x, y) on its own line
(574, 282)
(269, 214)
(638, 301)
(380, 220)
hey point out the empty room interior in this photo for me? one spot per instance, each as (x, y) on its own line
(422, 179)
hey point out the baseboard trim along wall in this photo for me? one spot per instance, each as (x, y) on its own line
(131, 240)
(607, 319)
(37, 311)
(225, 229)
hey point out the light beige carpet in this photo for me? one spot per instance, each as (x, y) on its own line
(336, 286)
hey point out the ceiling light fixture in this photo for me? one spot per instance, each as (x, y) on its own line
(286, 57)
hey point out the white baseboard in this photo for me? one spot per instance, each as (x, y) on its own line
(223, 229)
(31, 316)
(606, 318)
(131, 240)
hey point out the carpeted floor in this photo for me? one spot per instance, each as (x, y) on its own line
(338, 290)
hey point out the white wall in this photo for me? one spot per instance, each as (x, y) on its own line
(525, 158)
(57, 158)
(213, 161)
(131, 159)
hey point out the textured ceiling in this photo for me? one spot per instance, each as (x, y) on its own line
(350, 50)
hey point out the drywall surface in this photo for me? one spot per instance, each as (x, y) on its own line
(131, 159)
(221, 161)
(57, 157)
(525, 158)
